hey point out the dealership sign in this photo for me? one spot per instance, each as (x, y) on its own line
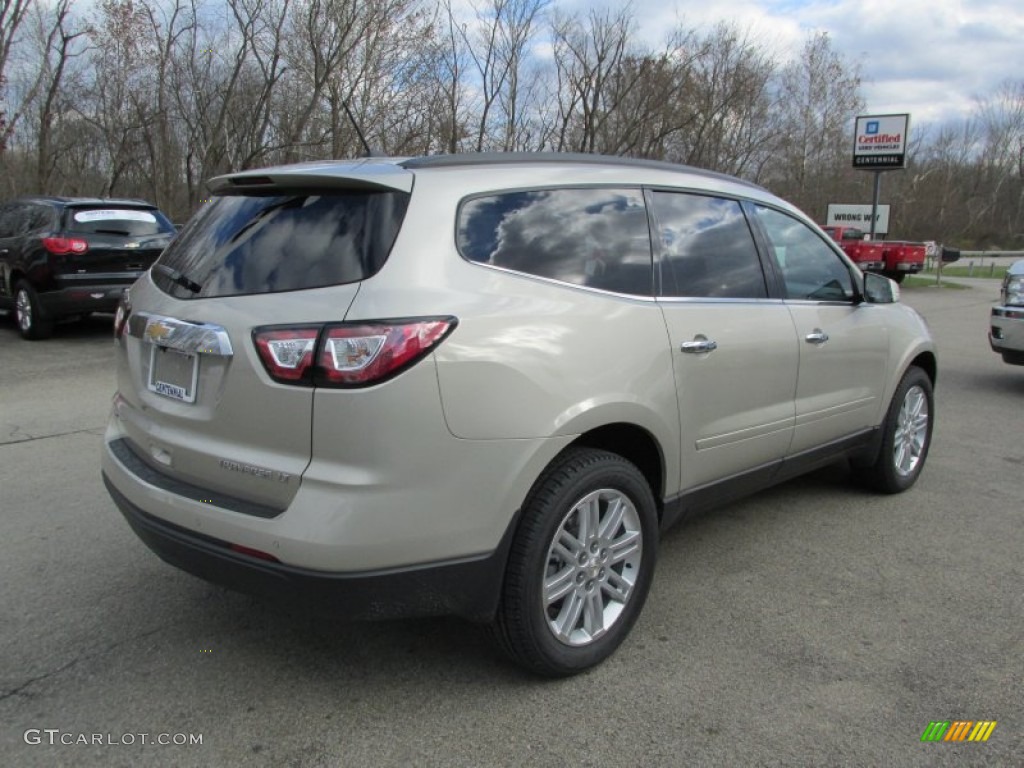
(844, 215)
(880, 142)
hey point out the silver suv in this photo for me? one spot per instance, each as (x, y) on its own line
(1006, 326)
(482, 385)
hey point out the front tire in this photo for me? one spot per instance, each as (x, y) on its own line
(581, 564)
(28, 313)
(907, 435)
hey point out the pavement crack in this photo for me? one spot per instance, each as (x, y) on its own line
(32, 438)
(20, 689)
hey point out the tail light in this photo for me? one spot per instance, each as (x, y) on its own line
(124, 311)
(61, 246)
(348, 354)
(287, 353)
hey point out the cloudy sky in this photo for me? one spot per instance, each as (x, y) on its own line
(930, 58)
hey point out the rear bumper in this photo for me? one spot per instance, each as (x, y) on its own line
(467, 588)
(88, 297)
(1006, 333)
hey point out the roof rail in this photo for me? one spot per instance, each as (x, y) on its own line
(516, 158)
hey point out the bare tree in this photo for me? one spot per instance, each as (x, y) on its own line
(818, 97)
(12, 14)
(589, 53)
(450, 62)
(1000, 198)
(167, 27)
(56, 35)
(496, 44)
(728, 100)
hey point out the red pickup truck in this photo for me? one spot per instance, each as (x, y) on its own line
(893, 258)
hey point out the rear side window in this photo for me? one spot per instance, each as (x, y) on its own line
(597, 238)
(111, 220)
(40, 217)
(707, 248)
(244, 244)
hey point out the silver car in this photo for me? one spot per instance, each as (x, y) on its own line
(1006, 328)
(482, 385)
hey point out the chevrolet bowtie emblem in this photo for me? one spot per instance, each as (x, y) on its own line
(158, 331)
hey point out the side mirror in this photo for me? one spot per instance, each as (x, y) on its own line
(880, 290)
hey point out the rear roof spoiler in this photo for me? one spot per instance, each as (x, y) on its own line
(372, 174)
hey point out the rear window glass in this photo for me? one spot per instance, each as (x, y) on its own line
(243, 244)
(597, 238)
(132, 222)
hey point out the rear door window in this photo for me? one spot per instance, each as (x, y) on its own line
(15, 221)
(706, 248)
(112, 220)
(594, 237)
(8, 220)
(241, 244)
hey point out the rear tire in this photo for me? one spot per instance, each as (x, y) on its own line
(580, 565)
(907, 435)
(28, 313)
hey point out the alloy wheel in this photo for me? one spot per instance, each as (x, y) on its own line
(911, 431)
(592, 567)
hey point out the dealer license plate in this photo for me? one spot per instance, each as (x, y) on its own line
(173, 374)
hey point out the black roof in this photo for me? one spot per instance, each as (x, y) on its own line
(76, 201)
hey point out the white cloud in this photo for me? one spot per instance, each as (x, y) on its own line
(931, 58)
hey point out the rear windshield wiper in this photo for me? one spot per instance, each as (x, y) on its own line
(178, 278)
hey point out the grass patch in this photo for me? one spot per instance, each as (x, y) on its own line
(916, 281)
(986, 271)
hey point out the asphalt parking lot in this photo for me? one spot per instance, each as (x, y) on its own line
(814, 624)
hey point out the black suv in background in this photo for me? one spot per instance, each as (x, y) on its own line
(65, 256)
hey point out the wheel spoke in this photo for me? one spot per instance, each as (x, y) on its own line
(568, 616)
(568, 547)
(612, 520)
(918, 403)
(625, 546)
(901, 456)
(617, 587)
(589, 518)
(593, 613)
(560, 584)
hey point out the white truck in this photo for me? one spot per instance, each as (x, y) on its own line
(1006, 329)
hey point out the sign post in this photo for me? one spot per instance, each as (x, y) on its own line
(880, 144)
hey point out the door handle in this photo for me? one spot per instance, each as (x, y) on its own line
(817, 336)
(698, 345)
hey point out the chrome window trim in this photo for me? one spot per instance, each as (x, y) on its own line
(719, 300)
